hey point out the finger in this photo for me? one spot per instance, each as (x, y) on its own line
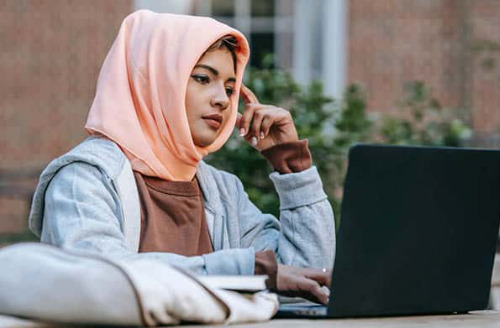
(252, 140)
(259, 116)
(247, 117)
(238, 121)
(322, 276)
(326, 290)
(314, 290)
(248, 138)
(272, 117)
(265, 126)
(248, 95)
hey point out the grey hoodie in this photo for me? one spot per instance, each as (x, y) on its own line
(87, 199)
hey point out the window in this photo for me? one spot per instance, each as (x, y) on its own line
(222, 8)
(267, 24)
(306, 37)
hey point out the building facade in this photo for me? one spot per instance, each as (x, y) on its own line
(52, 52)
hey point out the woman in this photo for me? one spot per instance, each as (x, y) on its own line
(137, 188)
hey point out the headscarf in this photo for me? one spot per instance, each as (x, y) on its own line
(141, 90)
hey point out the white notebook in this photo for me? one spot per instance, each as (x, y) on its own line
(237, 283)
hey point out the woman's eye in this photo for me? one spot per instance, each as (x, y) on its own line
(201, 78)
(229, 91)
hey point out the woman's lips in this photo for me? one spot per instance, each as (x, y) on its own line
(214, 120)
(213, 123)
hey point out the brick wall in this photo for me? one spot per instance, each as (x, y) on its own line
(485, 67)
(51, 53)
(50, 56)
(451, 45)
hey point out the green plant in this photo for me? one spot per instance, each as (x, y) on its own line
(312, 112)
(331, 127)
(422, 121)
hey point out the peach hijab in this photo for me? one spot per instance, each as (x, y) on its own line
(141, 90)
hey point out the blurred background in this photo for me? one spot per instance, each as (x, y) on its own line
(418, 72)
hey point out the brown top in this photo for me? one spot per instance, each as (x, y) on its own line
(172, 217)
(289, 157)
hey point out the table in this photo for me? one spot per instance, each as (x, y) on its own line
(483, 319)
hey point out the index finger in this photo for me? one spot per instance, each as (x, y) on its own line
(248, 95)
(322, 277)
(314, 290)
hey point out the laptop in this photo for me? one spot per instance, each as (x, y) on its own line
(418, 233)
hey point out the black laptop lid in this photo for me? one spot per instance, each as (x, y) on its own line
(418, 231)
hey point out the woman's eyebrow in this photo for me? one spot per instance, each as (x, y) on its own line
(214, 71)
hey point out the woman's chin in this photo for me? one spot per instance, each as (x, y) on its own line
(204, 141)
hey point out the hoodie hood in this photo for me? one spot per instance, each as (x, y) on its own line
(141, 90)
(95, 151)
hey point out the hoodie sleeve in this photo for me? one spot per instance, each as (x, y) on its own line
(82, 212)
(304, 235)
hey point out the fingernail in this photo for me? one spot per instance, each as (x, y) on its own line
(254, 141)
(242, 132)
(262, 135)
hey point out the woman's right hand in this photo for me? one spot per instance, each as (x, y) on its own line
(304, 282)
(264, 126)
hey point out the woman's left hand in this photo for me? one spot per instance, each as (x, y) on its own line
(264, 126)
(312, 284)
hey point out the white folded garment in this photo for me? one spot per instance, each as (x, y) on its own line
(46, 283)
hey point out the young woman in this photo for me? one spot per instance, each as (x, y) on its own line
(137, 188)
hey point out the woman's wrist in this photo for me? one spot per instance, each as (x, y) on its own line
(266, 264)
(289, 157)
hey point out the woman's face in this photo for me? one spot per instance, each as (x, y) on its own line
(210, 93)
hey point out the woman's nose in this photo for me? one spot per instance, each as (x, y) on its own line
(220, 98)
